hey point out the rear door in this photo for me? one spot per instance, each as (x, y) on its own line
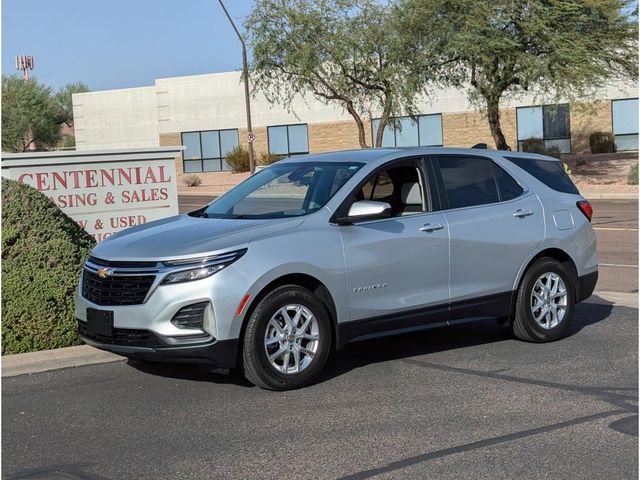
(494, 225)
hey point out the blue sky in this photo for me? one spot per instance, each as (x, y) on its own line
(120, 43)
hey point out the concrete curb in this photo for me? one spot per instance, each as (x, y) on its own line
(610, 195)
(200, 194)
(36, 362)
(616, 298)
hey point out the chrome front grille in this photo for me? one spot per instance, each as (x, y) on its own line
(117, 283)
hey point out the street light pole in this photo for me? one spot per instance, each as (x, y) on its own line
(245, 74)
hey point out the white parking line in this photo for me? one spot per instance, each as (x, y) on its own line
(615, 229)
(617, 265)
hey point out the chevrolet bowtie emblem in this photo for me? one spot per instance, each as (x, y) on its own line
(104, 272)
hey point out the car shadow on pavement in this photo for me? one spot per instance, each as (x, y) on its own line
(382, 349)
(189, 371)
(397, 347)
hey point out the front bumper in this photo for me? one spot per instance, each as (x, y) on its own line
(146, 345)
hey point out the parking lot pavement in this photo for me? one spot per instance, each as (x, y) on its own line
(616, 226)
(464, 402)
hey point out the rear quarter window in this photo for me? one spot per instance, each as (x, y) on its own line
(549, 172)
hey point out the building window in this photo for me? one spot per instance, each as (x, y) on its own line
(625, 124)
(547, 123)
(205, 151)
(288, 140)
(423, 130)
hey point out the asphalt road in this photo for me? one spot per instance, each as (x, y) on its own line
(616, 226)
(464, 402)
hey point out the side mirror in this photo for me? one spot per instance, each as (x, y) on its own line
(366, 210)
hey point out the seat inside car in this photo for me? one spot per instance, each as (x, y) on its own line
(411, 198)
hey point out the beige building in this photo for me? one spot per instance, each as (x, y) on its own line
(205, 113)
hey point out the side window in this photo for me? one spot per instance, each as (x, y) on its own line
(467, 181)
(549, 172)
(507, 186)
(401, 187)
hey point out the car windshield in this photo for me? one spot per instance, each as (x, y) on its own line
(282, 190)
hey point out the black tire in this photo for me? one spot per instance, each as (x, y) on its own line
(256, 366)
(524, 325)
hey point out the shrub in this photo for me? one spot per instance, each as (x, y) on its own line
(536, 145)
(42, 255)
(238, 159)
(533, 145)
(266, 158)
(601, 142)
(632, 177)
(191, 180)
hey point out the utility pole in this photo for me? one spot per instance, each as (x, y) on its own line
(245, 73)
(25, 63)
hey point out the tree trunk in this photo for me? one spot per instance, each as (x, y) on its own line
(361, 133)
(493, 115)
(386, 113)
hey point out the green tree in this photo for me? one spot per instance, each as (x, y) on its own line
(551, 48)
(63, 98)
(30, 116)
(340, 51)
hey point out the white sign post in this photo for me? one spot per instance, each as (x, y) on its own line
(104, 191)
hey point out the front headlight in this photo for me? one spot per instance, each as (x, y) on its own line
(201, 267)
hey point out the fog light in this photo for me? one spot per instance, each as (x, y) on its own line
(191, 316)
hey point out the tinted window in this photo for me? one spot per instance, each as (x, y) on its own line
(549, 172)
(205, 151)
(556, 121)
(288, 140)
(625, 124)
(543, 127)
(467, 181)
(410, 131)
(507, 186)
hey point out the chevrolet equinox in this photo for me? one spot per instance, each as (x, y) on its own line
(317, 251)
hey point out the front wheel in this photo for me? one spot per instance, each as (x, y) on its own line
(287, 339)
(545, 302)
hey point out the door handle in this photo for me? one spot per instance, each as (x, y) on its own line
(431, 227)
(520, 213)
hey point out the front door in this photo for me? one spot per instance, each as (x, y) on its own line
(398, 264)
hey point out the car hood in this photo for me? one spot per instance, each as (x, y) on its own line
(185, 236)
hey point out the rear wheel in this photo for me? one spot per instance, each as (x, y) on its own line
(545, 303)
(287, 339)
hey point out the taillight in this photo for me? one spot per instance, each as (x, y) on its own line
(586, 208)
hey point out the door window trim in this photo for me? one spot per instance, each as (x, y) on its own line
(416, 161)
(442, 194)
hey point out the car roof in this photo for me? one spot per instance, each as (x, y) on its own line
(379, 155)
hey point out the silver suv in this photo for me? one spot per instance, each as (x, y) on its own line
(317, 251)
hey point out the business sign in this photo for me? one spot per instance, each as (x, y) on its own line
(104, 191)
